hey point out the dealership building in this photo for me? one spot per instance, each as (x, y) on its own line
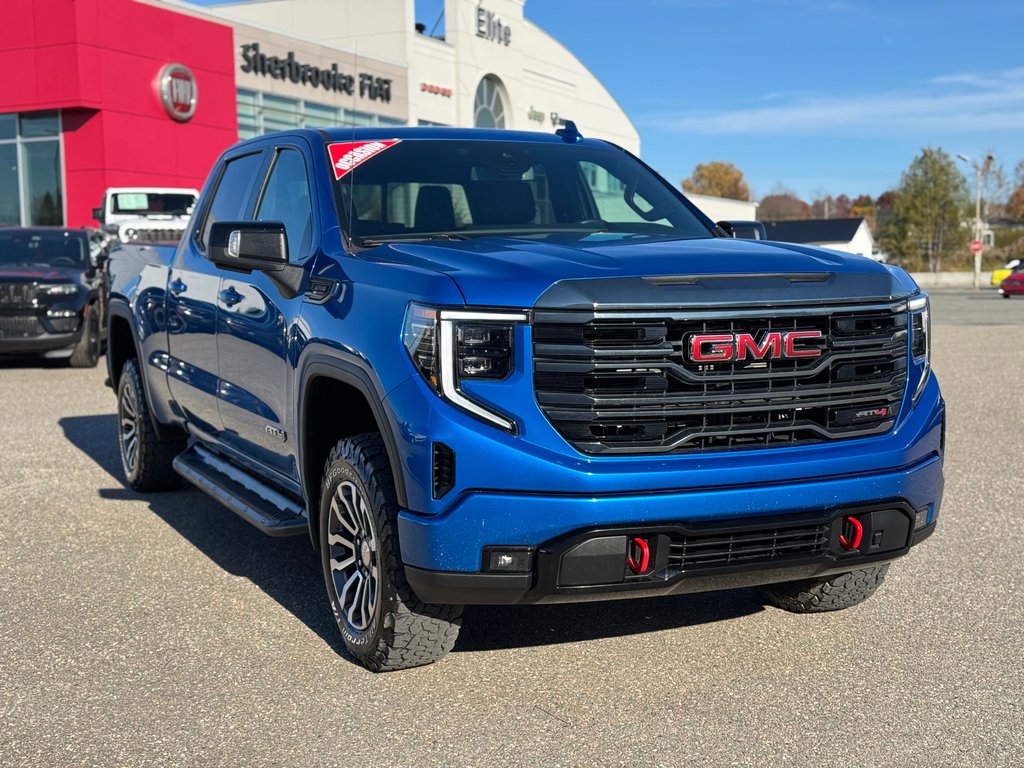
(104, 93)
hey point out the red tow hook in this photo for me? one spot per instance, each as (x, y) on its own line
(643, 551)
(852, 533)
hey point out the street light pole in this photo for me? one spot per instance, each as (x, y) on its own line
(979, 170)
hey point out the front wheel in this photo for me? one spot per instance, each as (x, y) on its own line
(147, 460)
(384, 624)
(830, 594)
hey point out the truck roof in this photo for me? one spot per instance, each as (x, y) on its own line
(157, 190)
(425, 132)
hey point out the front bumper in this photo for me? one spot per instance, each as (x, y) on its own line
(46, 344)
(444, 555)
(591, 565)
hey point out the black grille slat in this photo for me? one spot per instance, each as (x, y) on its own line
(20, 327)
(629, 386)
(696, 551)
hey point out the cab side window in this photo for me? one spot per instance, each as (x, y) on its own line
(232, 193)
(286, 198)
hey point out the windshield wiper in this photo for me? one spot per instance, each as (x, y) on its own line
(368, 241)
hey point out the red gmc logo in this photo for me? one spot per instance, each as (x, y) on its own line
(725, 347)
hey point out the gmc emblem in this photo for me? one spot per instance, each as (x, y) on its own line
(726, 347)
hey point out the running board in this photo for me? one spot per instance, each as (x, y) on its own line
(247, 496)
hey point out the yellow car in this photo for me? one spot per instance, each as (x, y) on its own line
(998, 275)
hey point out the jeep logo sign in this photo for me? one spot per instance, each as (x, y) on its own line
(177, 87)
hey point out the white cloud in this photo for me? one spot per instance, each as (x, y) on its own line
(957, 102)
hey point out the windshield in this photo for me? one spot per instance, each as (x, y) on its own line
(418, 189)
(54, 249)
(147, 203)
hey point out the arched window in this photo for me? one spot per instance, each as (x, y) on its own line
(489, 103)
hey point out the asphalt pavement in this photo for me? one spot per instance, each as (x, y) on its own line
(163, 631)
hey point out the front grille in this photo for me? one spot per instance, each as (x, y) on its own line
(154, 235)
(20, 327)
(17, 294)
(620, 384)
(694, 552)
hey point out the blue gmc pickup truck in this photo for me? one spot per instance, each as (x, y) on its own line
(485, 367)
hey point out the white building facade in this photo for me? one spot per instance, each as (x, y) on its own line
(488, 66)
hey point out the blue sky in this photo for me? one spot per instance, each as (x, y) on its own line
(813, 95)
(818, 96)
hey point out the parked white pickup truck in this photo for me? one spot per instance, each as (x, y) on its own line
(146, 214)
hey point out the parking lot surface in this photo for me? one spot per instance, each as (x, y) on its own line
(163, 630)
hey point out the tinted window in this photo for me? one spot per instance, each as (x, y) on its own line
(286, 199)
(475, 188)
(55, 249)
(232, 192)
(146, 203)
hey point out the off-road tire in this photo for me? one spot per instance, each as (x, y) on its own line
(403, 631)
(149, 467)
(832, 594)
(87, 351)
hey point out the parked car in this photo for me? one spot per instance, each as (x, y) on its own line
(497, 367)
(53, 293)
(146, 214)
(1013, 283)
(998, 275)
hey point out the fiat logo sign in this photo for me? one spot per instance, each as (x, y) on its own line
(177, 87)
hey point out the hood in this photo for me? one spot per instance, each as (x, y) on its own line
(30, 273)
(610, 271)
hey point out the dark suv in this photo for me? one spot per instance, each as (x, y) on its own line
(53, 293)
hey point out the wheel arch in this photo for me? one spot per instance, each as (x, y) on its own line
(122, 346)
(327, 379)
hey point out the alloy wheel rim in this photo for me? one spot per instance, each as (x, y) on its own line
(353, 556)
(128, 431)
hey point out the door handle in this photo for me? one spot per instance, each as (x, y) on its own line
(176, 286)
(230, 296)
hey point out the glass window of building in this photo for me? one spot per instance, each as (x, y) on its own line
(248, 114)
(31, 169)
(489, 104)
(319, 115)
(260, 113)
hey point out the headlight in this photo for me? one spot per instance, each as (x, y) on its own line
(449, 347)
(920, 340)
(58, 289)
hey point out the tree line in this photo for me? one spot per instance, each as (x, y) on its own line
(926, 222)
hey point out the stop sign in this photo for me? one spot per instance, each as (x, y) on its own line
(975, 245)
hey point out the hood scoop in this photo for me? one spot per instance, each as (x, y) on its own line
(718, 291)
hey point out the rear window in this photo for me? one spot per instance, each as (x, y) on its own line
(417, 189)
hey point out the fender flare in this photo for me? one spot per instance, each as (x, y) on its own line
(318, 360)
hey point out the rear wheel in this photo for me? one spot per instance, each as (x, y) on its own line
(384, 624)
(145, 458)
(87, 351)
(1006, 295)
(831, 594)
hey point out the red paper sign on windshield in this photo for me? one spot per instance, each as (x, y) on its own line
(346, 155)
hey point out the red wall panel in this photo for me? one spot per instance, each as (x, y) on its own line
(98, 60)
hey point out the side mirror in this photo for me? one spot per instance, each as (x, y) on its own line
(744, 230)
(97, 213)
(243, 246)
